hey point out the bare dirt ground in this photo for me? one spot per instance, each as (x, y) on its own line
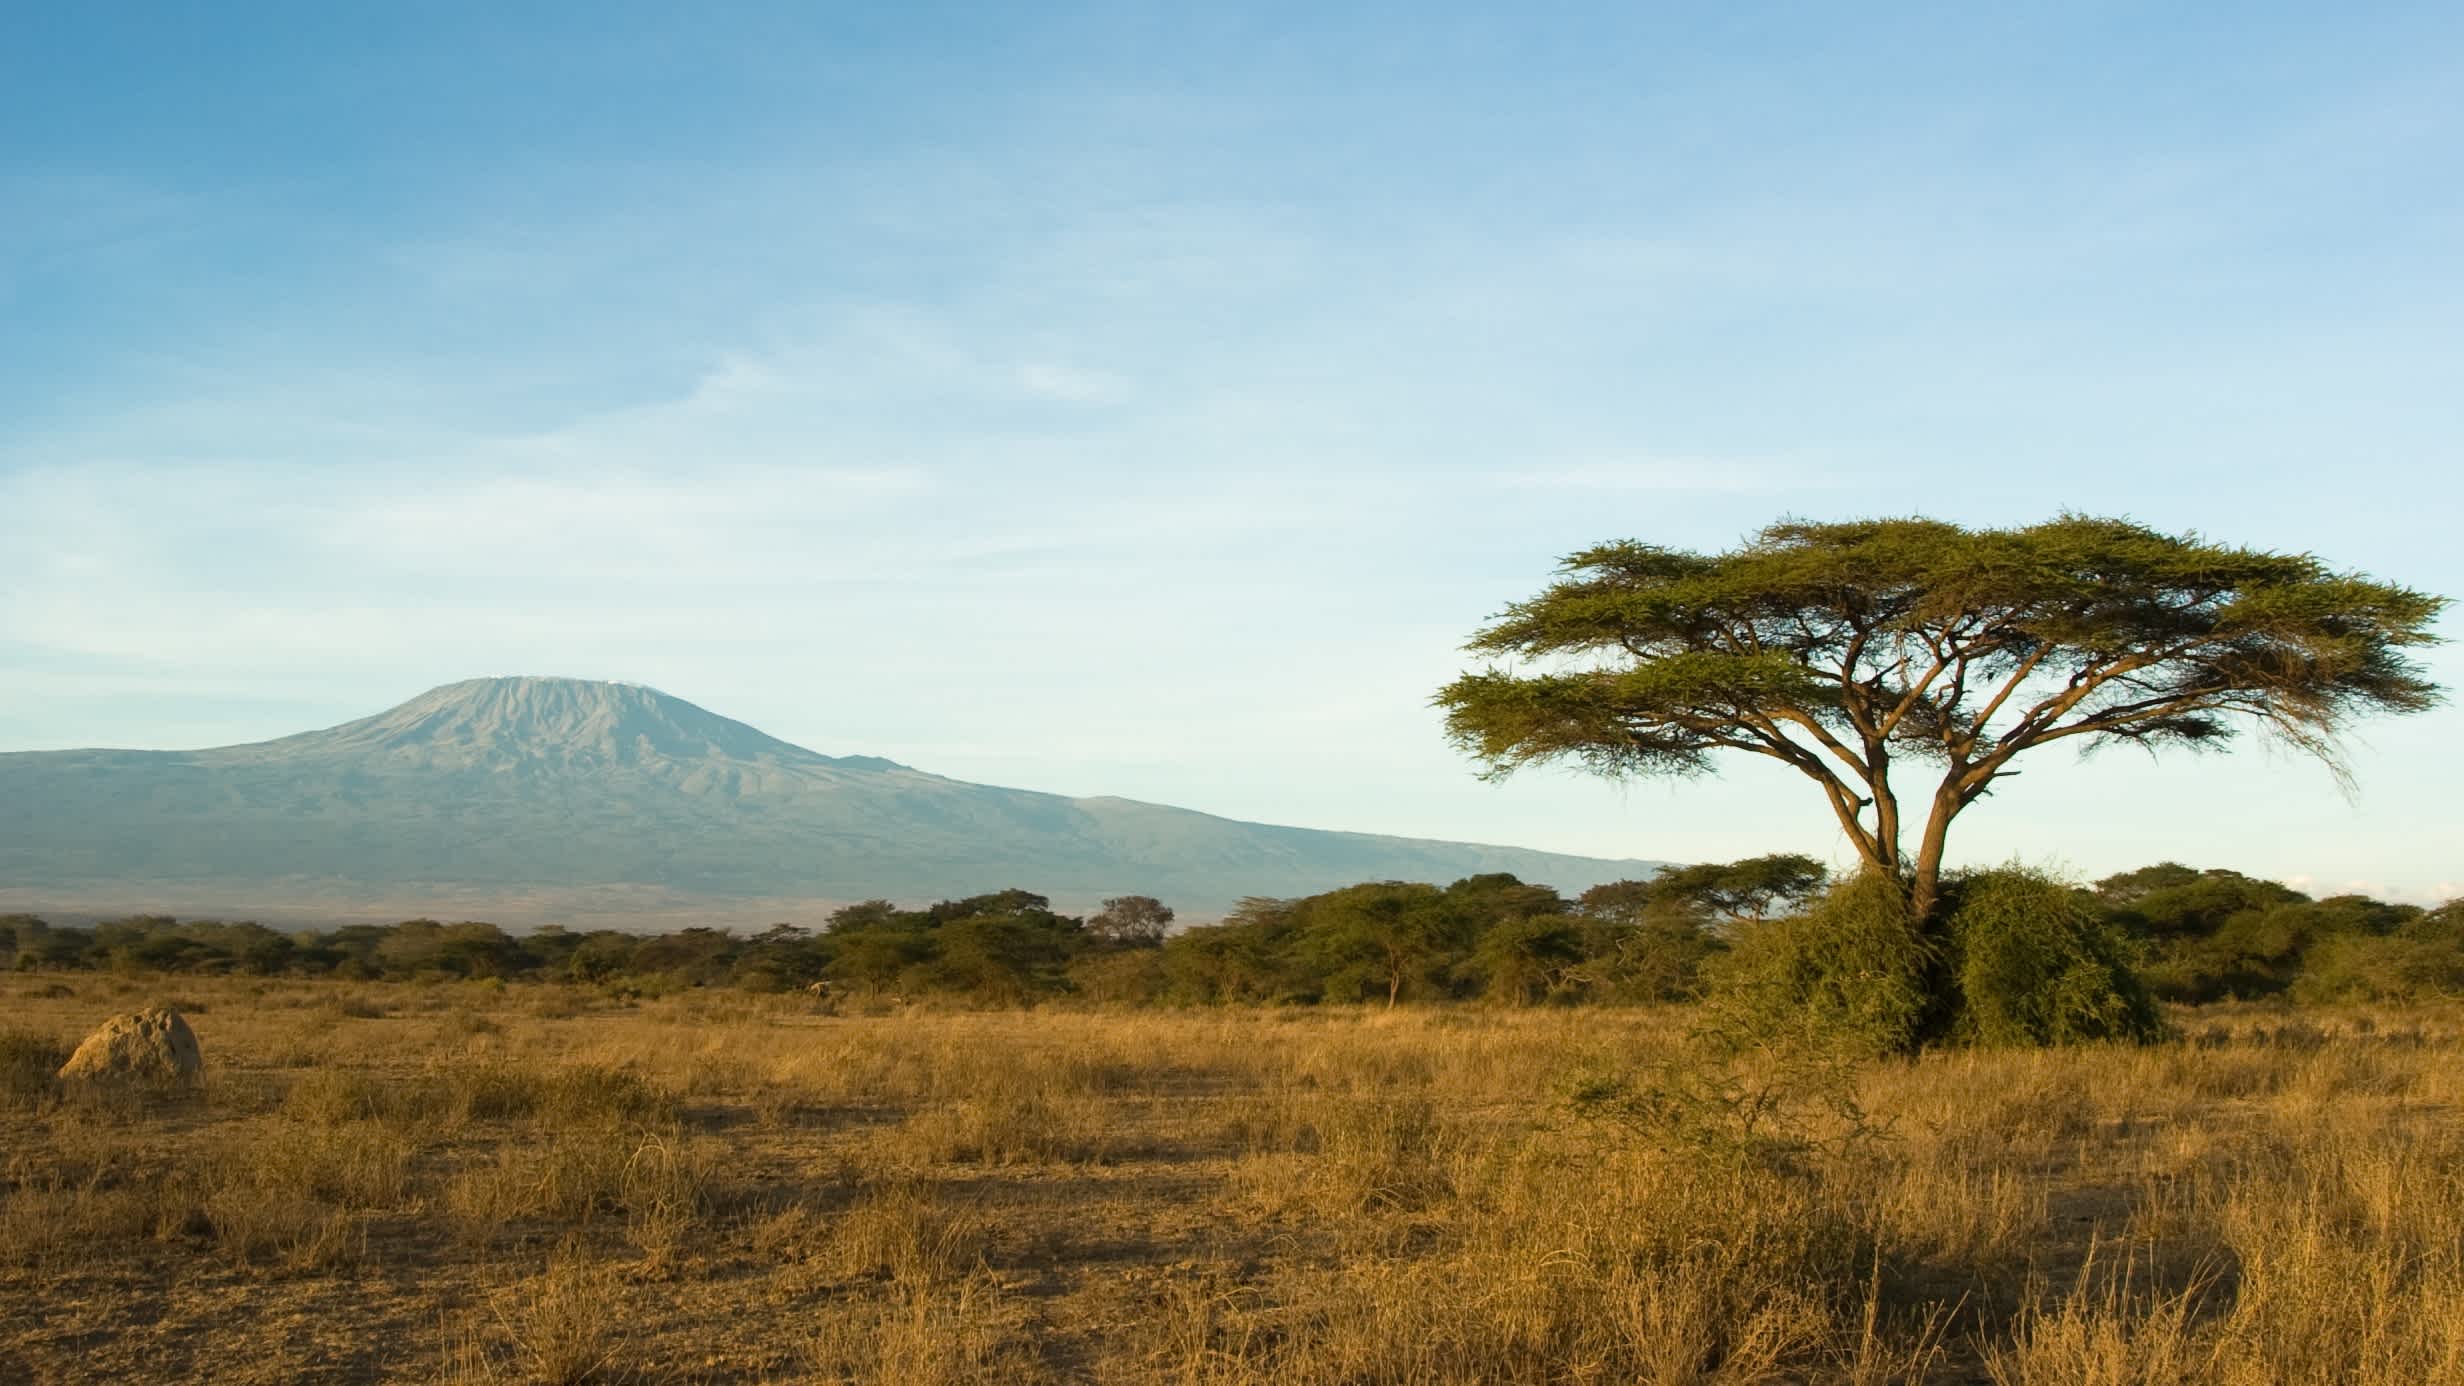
(468, 1183)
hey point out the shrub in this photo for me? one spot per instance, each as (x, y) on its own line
(1774, 1108)
(336, 1097)
(1851, 972)
(2017, 958)
(1131, 977)
(2035, 963)
(2363, 967)
(1658, 957)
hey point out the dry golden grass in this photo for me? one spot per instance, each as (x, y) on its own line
(524, 1184)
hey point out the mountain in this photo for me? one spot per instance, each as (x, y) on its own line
(536, 798)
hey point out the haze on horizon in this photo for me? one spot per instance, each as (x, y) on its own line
(1106, 403)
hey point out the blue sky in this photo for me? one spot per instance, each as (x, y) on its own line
(1114, 400)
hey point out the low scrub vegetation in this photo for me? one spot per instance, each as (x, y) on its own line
(2014, 957)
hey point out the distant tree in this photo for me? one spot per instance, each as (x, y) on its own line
(1521, 940)
(2160, 903)
(1499, 895)
(410, 947)
(39, 944)
(2421, 958)
(1737, 892)
(601, 956)
(1008, 957)
(353, 949)
(24, 937)
(869, 914)
(477, 949)
(1121, 976)
(1656, 956)
(266, 952)
(169, 951)
(783, 957)
(995, 958)
(2215, 934)
(551, 948)
(2360, 914)
(695, 955)
(1130, 921)
(1851, 652)
(1012, 901)
(143, 941)
(1383, 937)
(876, 958)
(2129, 887)
(1246, 957)
(1526, 958)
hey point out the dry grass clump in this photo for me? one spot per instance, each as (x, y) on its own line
(1320, 1154)
(351, 1006)
(654, 1177)
(1011, 1126)
(560, 1327)
(29, 1068)
(965, 1334)
(905, 1232)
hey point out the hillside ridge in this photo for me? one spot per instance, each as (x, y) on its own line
(520, 785)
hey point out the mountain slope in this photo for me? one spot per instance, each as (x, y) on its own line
(524, 784)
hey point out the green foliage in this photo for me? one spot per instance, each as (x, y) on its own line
(38, 944)
(1006, 959)
(1657, 958)
(601, 956)
(1525, 958)
(2215, 629)
(2172, 901)
(782, 957)
(2217, 935)
(1246, 958)
(2360, 967)
(2037, 963)
(2419, 958)
(687, 957)
(1852, 973)
(1726, 892)
(1121, 976)
(2016, 959)
(1384, 940)
(2009, 959)
(1131, 921)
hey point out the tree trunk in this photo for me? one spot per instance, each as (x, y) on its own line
(1925, 879)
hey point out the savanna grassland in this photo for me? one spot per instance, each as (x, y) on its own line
(470, 1183)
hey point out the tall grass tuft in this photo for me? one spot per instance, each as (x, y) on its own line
(29, 1068)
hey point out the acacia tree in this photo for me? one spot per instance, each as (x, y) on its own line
(1870, 653)
(1390, 934)
(1734, 892)
(1131, 921)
